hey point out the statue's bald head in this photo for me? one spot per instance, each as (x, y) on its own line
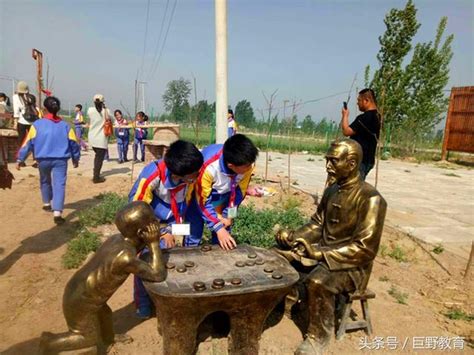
(350, 148)
(133, 217)
(343, 159)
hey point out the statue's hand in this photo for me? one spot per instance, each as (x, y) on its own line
(284, 238)
(304, 249)
(151, 233)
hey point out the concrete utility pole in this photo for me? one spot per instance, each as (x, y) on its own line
(142, 85)
(221, 70)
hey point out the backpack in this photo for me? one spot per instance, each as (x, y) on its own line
(30, 113)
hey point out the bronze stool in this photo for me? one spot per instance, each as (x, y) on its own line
(346, 323)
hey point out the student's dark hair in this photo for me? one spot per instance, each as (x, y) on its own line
(141, 114)
(6, 98)
(183, 158)
(52, 104)
(99, 105)
(239, 150)
(231, 112)
(79, 106)
(118, 112)
(368, 94)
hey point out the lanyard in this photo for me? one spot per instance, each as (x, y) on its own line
(174, 205)
(233, 187)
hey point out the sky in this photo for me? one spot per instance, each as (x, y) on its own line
(307, 49)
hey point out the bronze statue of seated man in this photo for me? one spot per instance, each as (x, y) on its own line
(85, 308)
(339, 243)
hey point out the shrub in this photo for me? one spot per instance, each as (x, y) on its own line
(438, 249)
(104, 212)
(458, 314)
(255, 227)
(401, 297)
(79, 247)
(398, 254)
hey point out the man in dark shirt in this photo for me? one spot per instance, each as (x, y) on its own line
(365, 129)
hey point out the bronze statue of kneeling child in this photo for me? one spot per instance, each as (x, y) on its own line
(336, 248)
(85, 308)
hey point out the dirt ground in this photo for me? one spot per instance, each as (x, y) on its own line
(32, 282)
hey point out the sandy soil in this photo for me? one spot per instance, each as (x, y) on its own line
(32, 281)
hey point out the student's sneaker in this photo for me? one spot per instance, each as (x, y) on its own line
(120, 162)
(143, 312)
(47, 208)
(126, 160)
(58, 220)
(98, 180)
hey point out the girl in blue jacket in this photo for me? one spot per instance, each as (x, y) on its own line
(122, 133)
(141, 133)
(53, 142)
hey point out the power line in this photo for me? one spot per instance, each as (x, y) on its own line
(299, 104)
(157, 48)
(164, 41)
(146, 35)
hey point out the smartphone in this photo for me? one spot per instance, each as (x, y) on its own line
(344, 104)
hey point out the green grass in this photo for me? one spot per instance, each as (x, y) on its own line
(86, 241)
(398, 254)
(255, 227)
(280, 144)
(401, 297)
(104, 212)
(438, 249)
(383, 278)
(79, 247)
(458, 314)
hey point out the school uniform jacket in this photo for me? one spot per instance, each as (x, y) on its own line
(154, 186)
(50, 138)
(213, 187)
(122, 132)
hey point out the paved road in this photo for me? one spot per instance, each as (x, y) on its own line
(432, 201)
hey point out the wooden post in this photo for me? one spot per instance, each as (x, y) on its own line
(446, 128)
(38, 56)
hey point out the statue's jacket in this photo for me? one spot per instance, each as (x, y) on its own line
(347, 228)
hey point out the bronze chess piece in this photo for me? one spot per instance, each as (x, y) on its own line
(85, 308)
(337, 247)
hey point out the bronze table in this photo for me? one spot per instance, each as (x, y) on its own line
(246, 283)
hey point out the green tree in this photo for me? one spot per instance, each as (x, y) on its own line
(323, 126)
(389, 80)
(244, 114)
(203, 112)
(427, 74)
(175, 99)
(308, 125)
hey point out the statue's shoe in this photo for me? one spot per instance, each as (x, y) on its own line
(310, 346)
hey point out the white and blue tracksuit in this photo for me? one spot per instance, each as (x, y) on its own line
(123, 139)
(155, 187)
(217, 188)
(231, 127)
(140, 135)
(52, 142)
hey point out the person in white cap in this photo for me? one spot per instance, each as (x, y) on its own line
(25, 111)
(98, 115)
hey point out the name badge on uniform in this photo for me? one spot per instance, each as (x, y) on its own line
(121, 133)
(181, 229)
(232, 212)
